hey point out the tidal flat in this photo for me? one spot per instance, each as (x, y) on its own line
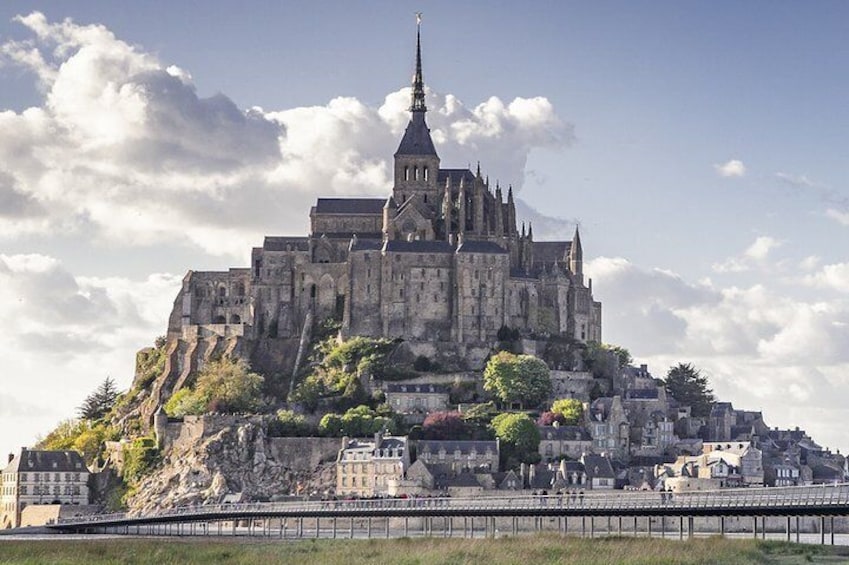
(538, 549)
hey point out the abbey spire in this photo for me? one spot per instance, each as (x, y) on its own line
(418, 104)
(416, 161)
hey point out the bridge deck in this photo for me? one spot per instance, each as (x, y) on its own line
(820, 500)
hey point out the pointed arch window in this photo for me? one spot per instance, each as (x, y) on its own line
(406, 173)
(425, 174)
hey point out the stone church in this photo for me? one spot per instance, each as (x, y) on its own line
(440, 260)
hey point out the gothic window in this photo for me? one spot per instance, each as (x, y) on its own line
(222, 292)
(425, 173)
(240, 289)
(401, 293)
(425, 197)
(406, 173)
(415, 173)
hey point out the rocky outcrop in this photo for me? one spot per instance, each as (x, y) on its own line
(220, 455)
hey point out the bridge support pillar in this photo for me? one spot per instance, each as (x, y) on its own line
(690, 530)
(583, 526)
(680, 527)
(831, 518)
(755, 527)
(450, 526)
(635, 526)
(300, 527)
(822, 530)
(334, 527)
(619, 527)
(465, 526)
(406, 526)
(787, 527)
(797, 529)
(387, 527)
(722, 526)
(763, 527)
(317, 526)
(649, 526)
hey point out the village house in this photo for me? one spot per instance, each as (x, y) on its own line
(558, 441)
(460, 456)
(37, 477)
(418, 399)
(367, 467)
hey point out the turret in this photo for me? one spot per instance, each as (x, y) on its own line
(461, 223)
(390, 210)
(511, 212)
(576, 257)
(499, 212)
(446, 208)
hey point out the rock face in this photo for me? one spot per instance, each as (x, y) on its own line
(212, 456)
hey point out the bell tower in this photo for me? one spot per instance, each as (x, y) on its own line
(416, 161)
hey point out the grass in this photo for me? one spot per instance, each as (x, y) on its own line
(536, 550)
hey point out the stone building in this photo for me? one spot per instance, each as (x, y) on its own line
(35, 477)
(368, 468)
(557, 442)
(417, 398)
(459, 456)
(441, 259)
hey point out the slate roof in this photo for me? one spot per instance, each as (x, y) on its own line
(564, 433)
(416, 140)
(279, 243)
(551, 251)
(418, 246)
(481, 247)
(456, 175)
(354, 206)
(597, 466)
(451, 446)
(418, 388)
(460, 480)
(642, 394)
(366, 245)
(521, 274)
(349, 235)
(34, 461)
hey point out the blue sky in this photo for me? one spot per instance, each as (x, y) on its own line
(701, 147)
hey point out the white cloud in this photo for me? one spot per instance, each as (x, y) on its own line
(754, 255)
(796, 181)
(70, 333)
(732, 168)
(834, 276)
(124, 149)
(840, 217)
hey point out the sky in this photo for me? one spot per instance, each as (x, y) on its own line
(700, 147)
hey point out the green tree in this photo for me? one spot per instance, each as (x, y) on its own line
(605, 360)
(97, 404)
(686, 384)
(289, 424)
(225, 385)
(522, 379)
(331, 425)
(571, 409)
(519, 436)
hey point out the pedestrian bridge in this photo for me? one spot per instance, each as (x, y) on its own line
(819, 501)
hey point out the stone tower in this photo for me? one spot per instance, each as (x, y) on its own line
(416, 161)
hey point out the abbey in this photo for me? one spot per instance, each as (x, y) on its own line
(440, 259)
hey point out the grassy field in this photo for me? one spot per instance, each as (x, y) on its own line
(529, 550)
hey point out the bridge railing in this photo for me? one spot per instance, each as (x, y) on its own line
(807, 496)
